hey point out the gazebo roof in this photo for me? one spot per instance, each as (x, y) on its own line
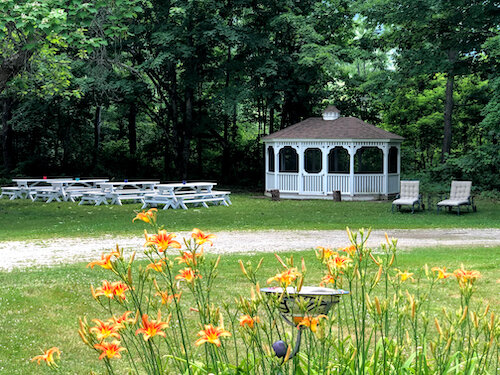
(341, 128)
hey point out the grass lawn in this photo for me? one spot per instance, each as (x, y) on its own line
(23, 219)
(40, 306)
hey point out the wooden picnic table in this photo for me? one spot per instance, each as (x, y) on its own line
(127, 190)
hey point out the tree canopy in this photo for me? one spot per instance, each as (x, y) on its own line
(185, 89)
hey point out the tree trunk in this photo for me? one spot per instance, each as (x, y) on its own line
(184, 152)
(448, 113)
(271, 120)
(97, 135)
(12, 65)
(448, 107)
(7, 135)
(132, 139)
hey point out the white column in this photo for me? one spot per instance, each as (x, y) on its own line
(399, 167)
(266, 164)
(385, 150)
(276, 166)
(300, 155)
(352, 152)
(324, 157)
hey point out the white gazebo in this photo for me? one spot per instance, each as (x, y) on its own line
(320, 155)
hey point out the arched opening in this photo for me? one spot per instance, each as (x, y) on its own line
(393, 160)
(289, 160)
(338, 160)
(270, 159)
(312, 160)
(369, 160)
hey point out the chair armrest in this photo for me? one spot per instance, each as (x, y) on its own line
(398, 196)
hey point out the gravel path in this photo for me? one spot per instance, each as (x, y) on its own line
(21, 254)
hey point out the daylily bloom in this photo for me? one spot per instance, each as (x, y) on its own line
(151, 328)
(122, 319)
(327, 279)
(103, 330)
(211, 335)
(162, 240)
(404, 275)
(105, 261)
(285, 278)
(119, 289)
(107, 290)
(201, 237)
(247, 320)
(47, 356)
(312, 323)
(351, 250)
(147, 217)
(339, 262)
(187, 257)
(441, 272)
(187, 274)
(166, 298)
(466, 277)
(158, 266)
(110, 349)
(324, 253)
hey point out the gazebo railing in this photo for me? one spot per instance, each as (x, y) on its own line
(338, 182)
(368, 183)
(314, 183)
(288, 182)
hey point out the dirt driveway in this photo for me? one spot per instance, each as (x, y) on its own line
(20, 254)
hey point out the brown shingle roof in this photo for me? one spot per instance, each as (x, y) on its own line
(331, 108)
(341, 128)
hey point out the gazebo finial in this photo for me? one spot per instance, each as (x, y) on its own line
(331, 113)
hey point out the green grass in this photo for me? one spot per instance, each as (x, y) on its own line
(22, 219)
(40, 306)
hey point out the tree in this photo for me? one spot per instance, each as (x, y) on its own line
(435, 37)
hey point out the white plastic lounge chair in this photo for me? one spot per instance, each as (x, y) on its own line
(459, 196)
(409, 196)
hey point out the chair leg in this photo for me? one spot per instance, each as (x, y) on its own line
(392, 208)
(458, 210)
(413, 208)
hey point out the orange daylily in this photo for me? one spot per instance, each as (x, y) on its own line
(247, 320)
(122, 319)
(324, 253)
(285, 278)
(327, 279)
(466, 277)
(119, 289)
(187, 274)
(338, 262)
(103, 330)
(47, 356)
(201, 237)
(351, 250)
(163, 240)
(110, 349)
(105, 261)
(441, 272)
(166, 298)
(111, 290)
(107, 290)
(188, 258)
(146, 216)
(158, 266)
(211, 335)
(151, 328)
(404, 275)
(310, 322)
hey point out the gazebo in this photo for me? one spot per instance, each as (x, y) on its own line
(320, 155)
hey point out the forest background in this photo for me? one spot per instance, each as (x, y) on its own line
(171, 89)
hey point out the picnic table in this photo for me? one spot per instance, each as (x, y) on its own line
(126, 190)
(178, 195)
